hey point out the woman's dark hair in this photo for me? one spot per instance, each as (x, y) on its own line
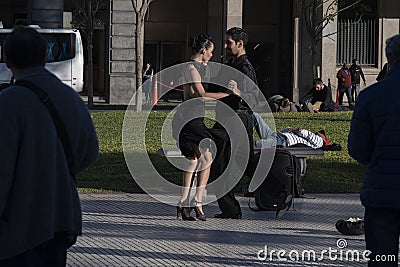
(238, 34)
(199, 42)
(25, 48)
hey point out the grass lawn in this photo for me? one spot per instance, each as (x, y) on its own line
(336, 172)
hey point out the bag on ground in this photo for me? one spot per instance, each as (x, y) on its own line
(283, 179)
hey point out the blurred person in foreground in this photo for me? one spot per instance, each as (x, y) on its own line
(373, 141)
(40, 212)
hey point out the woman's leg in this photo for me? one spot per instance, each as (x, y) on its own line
(183, 208)
(205, 161)
(187, 178)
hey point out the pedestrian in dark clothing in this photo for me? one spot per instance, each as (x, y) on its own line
(147, 74)
(382, 73)
(356, 75)
(236, 40)
(40, 212)
(373, 141)
(318, 93)
(344, 84)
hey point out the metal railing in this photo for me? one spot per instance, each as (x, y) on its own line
(357, 39)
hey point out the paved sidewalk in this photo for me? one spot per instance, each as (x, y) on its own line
(136, 230)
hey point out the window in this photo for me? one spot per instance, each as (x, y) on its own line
(60, 46)
(357, 32)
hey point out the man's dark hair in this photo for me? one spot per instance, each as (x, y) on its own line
(238, 34)
(317, 81)
(25, 48)
(21, 22)
(354, 60)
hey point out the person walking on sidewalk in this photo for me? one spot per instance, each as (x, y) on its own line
(356, 75)
(344, 85)
(373, 141)
(147, 75)
(40, 212)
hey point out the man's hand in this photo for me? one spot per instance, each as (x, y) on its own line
(232, 86)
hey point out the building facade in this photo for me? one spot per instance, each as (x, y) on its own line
(280, 44)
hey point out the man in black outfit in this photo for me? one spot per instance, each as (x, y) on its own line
(320, 92)
(356, 75)
(242, 104)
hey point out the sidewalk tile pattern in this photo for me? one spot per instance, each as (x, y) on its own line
(136, 230)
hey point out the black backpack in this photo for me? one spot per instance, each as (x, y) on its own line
(282, 183)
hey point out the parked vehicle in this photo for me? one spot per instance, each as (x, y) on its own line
(64, 56)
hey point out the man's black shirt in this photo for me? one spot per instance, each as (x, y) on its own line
(249, 90)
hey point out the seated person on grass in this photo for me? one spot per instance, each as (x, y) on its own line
(319, 98)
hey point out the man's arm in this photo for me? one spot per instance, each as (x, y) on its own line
(362, 75)
(9, 136)
(339, 74)
(250, 90)
(307, 96)
(361, 141)
(88, 146)
(91, 151)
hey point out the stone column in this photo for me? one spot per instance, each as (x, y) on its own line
(46, 14)
(216, 27)
(388, 28)
(329, 49)
(296, 60)
(122, 57)
(232, 17)
(234, 13)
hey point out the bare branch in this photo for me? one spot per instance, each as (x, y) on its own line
(349, 6)
(316, 26)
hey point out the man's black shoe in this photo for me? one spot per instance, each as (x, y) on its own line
(223, 216)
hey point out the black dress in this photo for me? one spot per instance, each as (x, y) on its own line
(188, 123)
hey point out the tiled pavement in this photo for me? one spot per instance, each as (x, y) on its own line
(136, 230)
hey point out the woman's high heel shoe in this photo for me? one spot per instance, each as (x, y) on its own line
(184, 212)
(194, 204)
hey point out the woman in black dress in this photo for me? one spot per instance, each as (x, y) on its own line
(194, 131)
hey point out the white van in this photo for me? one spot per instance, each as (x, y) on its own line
(64, 56)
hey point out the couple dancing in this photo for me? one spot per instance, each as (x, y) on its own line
(194, 137)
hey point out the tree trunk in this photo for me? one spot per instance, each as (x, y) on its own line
(139, 43)
(313, 56)
(90, 69)
(90, 56)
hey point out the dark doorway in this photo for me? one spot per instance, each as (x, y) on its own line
(261, 56)
(163, 55)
